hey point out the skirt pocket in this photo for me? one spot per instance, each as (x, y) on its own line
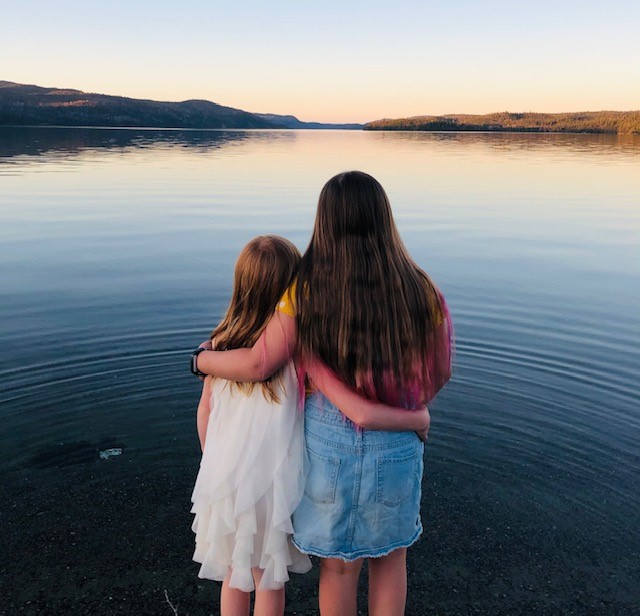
(397, 478)
(322, 478)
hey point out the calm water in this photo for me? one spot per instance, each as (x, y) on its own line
(116, 256)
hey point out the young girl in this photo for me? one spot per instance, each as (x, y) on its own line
(251, 476)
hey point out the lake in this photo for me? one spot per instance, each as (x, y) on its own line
(116, 257)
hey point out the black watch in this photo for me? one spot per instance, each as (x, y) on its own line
(194, 361)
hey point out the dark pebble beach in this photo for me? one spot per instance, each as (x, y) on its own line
(112, 536)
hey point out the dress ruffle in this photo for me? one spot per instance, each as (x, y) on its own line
(250, 481)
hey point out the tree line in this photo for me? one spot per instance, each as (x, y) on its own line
(616, 122)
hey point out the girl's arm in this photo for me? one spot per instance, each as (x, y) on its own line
(273, 350)
(204, 410)
(366, 413)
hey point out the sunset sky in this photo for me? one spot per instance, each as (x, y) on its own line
(335, 61)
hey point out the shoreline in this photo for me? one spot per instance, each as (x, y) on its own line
(480, 131)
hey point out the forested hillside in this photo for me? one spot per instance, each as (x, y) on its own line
(33, 105)
(585, 122)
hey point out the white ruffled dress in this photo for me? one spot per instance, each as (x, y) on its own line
(250, 481)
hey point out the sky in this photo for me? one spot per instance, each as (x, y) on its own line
(334, 61)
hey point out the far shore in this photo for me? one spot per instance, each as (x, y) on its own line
(32, 105)
(370, 128)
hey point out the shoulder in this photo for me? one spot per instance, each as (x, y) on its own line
(287, 303)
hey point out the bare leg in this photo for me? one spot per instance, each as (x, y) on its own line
(233, 601)
(268, 602)
(339, 587)
(388, 584)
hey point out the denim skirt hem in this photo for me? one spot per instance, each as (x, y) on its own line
(351, 556)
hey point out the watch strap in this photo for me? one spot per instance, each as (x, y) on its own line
(194, 362)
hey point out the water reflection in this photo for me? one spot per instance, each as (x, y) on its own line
(600, 145)
(40, 141)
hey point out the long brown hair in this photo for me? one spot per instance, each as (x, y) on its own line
(364, 307)
(264, 270)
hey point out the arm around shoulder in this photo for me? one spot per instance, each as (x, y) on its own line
(271, 352)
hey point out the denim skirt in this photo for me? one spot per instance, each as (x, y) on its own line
(363, 487)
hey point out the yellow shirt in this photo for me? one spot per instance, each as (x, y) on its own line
(287, 303)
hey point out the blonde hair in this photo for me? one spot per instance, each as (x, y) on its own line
(264, 270)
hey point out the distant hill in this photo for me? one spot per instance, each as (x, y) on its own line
(292, 122)
(584, 122)
(33, 105)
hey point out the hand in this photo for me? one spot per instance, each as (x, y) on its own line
(423, 431)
